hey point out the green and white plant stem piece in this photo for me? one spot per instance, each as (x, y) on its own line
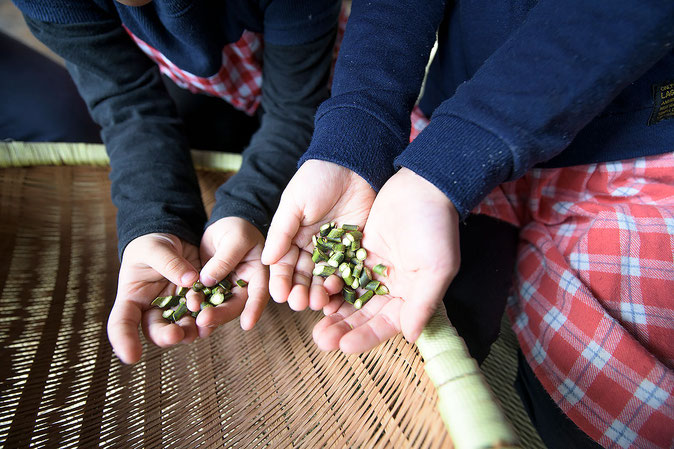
(469, 409)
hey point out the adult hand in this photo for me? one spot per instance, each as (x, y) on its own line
(234, 245)
(319, 192)
(413, 229)
(152, 265)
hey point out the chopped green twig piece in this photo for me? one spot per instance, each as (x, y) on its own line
(381, 290)
(319, 256)
(324, 270)
(361, 254)
(350, 227)
(180, 311)
(372, 285)
(357, 270)
(349, 294)
(182, 291)
(335, 234)
(241, 283)
(217, 298)
(325, 229)
(365, 277)
(197, 286)
(380, 269)
(168, 314)
(207, 291)
(362, 299)
(335, 259)
(166, 301)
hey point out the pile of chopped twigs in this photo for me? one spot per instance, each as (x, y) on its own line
(337, 251)
(175, 306)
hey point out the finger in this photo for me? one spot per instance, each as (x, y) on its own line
(212, 317)
(328, 331)
(382, 326)
(123, 325)
(415, 314)
(281, 275)
(258, 297)
(169, 263)
(188, 325)
(194, 300)
(160, 331)
(298, 299)
(333, 305)
(282, 231)
(231, 249)
(333, 285)
(318, 297)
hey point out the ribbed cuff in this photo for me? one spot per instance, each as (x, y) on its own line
(236, 208)
(354, 138)
(460, 158)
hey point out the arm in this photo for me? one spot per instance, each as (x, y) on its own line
(154, 185)
(295, 81)
(528, 101)
(366, 122)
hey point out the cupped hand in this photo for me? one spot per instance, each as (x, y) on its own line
(413, 229)
(152, 265)
(233, 246)
(319, 192)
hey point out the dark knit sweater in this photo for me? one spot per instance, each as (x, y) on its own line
(515, 83)
(153, 181)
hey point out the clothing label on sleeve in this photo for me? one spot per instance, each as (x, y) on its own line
(663, 102)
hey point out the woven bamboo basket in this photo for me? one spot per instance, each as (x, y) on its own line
(61, 386)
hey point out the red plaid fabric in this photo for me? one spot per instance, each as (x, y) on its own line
(593, 301)
(239, 80)
(593, 306)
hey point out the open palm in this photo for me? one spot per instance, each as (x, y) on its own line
(318, 193)
(413, 229)
(153, 265)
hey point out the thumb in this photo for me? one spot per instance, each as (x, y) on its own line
(168, 262)
(418, 309)
(282, 231)
(229, 252)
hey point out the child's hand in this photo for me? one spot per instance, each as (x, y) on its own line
(233, 245)
(152, 265)
(413, 229)
(318, 193)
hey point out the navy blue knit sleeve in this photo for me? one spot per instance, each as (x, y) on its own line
(154, 184)
(295, 82)
(378, 75)
(66, 11)
(529, 100)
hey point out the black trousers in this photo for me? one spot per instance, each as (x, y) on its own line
(475, 303)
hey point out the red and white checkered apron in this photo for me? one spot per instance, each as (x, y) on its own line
(593, 300)
(239, 80)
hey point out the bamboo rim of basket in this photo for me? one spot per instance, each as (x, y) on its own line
(469, 409)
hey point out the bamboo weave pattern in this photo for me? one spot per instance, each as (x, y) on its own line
(270, 387)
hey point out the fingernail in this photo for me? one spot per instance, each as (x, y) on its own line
(208, 280)
(187, 278)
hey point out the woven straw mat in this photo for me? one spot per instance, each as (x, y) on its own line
(61, 386)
